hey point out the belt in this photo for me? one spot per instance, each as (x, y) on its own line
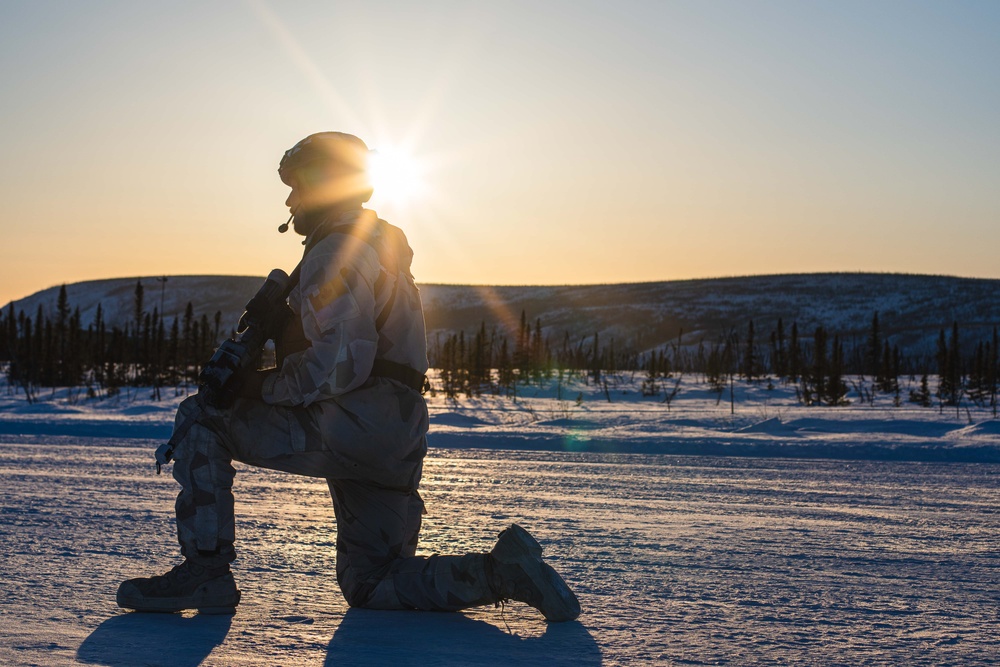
(383, 368)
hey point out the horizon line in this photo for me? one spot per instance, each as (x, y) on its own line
(504, 285)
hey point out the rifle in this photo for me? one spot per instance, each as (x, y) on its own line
(263, 318)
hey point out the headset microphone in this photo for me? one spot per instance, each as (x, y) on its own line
(283, 227)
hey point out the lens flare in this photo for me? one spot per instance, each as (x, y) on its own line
(396, 175)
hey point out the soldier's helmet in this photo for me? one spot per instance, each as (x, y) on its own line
(328, 155)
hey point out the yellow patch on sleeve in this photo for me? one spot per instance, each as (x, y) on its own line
(328, 293)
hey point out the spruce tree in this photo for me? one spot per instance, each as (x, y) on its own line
(73, 363)
(173, 354)
(463, 365)
(874, 349)
(836, 389)
(41, 353)
(974, 379)
(521, 352)
(205, 346)
(138, 306)
(897, 367)
(97, 346)
(610, 364)
(649, 386)
(479, 372)
(189, 344)
(29, 371)
(955, 366)
(749, 370)
(159, 353)
(60, 351)
(715, 372)
(816, 385)
(10, 326)
(922, 396)
(885, 381)
(944, 388)
(794, 355)
(993, 371)
(505, 374)
(778, 350)
(595, 360)
(537, 351)
(50, 358)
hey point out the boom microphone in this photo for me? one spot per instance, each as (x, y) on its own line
(283, 227)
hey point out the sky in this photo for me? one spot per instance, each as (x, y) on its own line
(548, 141)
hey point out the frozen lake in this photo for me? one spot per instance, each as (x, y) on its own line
(676, 560)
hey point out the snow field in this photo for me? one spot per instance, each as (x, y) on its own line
(677, 559)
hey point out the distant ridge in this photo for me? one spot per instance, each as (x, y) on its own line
(911, 307)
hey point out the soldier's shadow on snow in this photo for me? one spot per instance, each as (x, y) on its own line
(154, 639)
(366, 637)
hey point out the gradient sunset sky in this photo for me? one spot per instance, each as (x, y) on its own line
(555, 141)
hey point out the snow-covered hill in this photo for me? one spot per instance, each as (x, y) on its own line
(912, 308)
(116, 297)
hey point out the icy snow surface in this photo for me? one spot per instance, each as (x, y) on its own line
(815, 541)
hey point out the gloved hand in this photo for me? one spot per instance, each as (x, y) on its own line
(290, 338)
(164, 453)
(250, 383)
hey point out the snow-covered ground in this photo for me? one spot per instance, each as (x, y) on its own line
(805, 544)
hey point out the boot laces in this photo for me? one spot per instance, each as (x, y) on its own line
(179, 575)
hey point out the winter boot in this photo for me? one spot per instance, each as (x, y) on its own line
(515, 571)
(187, 586)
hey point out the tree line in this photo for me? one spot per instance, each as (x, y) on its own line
(148, 351)
(822, 366)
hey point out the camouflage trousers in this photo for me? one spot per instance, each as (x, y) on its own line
(372, 473)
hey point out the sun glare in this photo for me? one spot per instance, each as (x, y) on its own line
(396, 175)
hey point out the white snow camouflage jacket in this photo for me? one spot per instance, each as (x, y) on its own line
(345, 286)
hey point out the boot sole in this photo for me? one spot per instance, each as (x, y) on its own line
(205, 604)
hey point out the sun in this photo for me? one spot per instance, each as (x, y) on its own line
(396, 174)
